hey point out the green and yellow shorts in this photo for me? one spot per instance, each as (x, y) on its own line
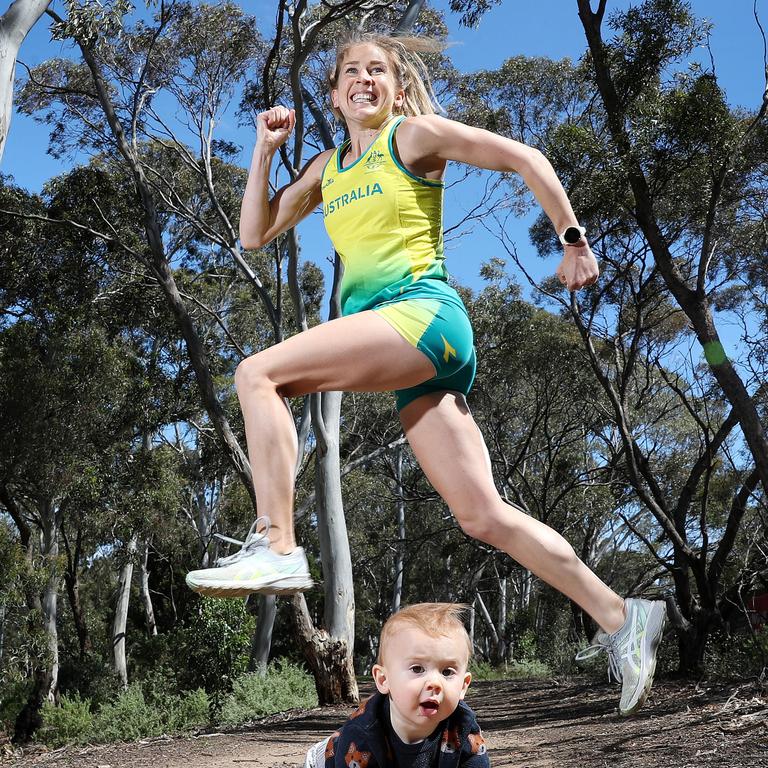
(430, 315)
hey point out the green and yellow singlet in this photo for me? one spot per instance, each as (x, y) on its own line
(387, 226)
(385, 223)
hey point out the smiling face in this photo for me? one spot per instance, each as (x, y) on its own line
(367, 92)
(426, 677)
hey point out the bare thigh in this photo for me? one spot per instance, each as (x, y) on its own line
(358, 353)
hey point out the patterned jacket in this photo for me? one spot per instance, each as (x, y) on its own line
(362, 741)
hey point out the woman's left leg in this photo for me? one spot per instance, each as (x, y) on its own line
(451, 451)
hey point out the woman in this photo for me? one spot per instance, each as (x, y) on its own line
(403, 329)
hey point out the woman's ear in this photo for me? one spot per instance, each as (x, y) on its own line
(380, 678)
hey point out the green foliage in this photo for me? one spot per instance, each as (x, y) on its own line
(69, 723)
(737, 656)
(215, 645)
(131, 715)
(531, 668)
(283, 686)
(127, 718)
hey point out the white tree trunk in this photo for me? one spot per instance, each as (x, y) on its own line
(50, 551)
(149, 610)
(15, 23)
(265, 609)
(121, 611)
(332, 527)
(397, 590)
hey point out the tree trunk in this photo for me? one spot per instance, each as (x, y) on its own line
(265, 609)
(149, 610)
(50, 551)
(339, 615)
(121, 611)
(15, 24)
(72, 582)
(397, 590)
(329, 659)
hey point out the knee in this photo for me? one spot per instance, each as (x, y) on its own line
(481, 522)
(252, 375)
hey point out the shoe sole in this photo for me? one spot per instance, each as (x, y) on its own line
(285, 586)
(655, 640)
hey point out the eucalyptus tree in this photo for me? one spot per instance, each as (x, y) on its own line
(15, 24)
(66, 398)
(670, 181)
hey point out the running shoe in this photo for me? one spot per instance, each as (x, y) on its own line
(254, 568)
(632, 651)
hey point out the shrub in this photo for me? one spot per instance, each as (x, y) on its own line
(482, 670)
(127, 718)
(283, 686)
(188, 711)
(69, 723)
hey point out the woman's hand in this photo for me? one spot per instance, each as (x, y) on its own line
(578, 267)
(273, 127)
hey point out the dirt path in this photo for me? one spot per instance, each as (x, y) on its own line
(527, 724)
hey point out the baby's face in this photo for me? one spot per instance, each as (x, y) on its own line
(426, 677)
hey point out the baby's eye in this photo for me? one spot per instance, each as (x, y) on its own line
(449, 672)
(417, 669)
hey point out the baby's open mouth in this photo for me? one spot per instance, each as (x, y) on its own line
(429, 706)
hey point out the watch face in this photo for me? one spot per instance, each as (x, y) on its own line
(572, 235)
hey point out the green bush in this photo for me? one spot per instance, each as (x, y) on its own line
(283, 686)
(127, 718)
(188, 711)
(69, 723)
(482, 670)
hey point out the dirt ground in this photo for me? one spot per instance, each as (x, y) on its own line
(527, 724)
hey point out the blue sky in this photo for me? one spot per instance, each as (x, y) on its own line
(544, 28)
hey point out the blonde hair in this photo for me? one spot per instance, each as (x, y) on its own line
(433, 619)
(409, 70)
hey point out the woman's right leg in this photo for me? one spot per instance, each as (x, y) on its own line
(362, 352)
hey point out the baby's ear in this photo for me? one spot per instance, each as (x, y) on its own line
(380, 678)
(467, 681)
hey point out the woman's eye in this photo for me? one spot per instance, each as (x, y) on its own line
(377, 69)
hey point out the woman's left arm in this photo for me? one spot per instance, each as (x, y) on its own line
(431, 139)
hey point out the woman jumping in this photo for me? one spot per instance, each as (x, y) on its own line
(403, 329)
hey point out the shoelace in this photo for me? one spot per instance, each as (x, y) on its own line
(614, 658)
(253, 541)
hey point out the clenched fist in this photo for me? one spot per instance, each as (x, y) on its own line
(273, 127)
(578, 267)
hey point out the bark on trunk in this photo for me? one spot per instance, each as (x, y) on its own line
(265, 609)
(329, 659)
(146, 596)
(121, 611)
(50, 551)
(15, 23)
(397, 590)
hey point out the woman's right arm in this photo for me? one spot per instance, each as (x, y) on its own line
(262, 219)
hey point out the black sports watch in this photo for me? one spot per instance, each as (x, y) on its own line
(572, 235)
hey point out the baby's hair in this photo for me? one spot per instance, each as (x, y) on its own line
(434, 619)
(408, 68)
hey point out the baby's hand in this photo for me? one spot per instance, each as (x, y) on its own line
(578, 267)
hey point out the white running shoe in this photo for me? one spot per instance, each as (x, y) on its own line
(255, 568)
(632, 651)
